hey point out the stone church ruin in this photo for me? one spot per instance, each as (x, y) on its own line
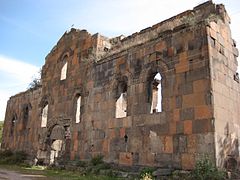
(160, 97)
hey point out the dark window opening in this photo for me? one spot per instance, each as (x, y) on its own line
(13, 122)
(236, 77)
(25, 116)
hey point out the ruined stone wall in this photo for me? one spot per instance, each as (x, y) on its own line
(22, 120)
(225, 89)
(100, 69)
(174, 137)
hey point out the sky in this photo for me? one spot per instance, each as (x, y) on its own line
(29, 29)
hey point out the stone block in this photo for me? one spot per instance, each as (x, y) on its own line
(201, 85)
(192, 100)
(176, 114)
(205, 143)
(111, 134)
(125, 158)
(202, 126)
(203, 112)
(163, 160)
(172, 127)
(160, 46)
(161, 129)
(187, 114)
(118, 144)
(178, 101)
(179, 127)
(182, 67)
(147, 158)
(188, 127)
(168, 144)
(188, 161)
(185, 88)
(162, 172)
(192, 143)
(135, 144)
(122, 132)
(179, 143)
(197, 74)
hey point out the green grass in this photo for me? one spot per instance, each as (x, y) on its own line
(55, 174)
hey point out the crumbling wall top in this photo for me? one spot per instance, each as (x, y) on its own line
(199, 14)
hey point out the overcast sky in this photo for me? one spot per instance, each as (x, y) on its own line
(29, 29)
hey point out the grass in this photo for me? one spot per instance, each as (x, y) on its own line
(55, 174)
(16, 161)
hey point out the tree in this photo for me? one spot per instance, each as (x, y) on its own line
(36, 82)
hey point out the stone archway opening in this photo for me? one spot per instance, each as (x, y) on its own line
(57, 143)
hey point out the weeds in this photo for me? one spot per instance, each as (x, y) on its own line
(97, 160)
(9, 157)
(146, 174)
(205, 170)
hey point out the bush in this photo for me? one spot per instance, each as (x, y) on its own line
(9, 157)
(97, 160)
(6, 153)
(205, 170)
(81, 164)
(146, 174)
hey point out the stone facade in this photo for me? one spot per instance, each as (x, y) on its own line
(85, 75)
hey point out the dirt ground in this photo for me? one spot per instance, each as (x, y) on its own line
(12, 175)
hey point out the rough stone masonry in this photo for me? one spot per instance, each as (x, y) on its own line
(164, 96)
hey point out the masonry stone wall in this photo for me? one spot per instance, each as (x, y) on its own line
(185, 52)
(21, 125)
(225, 89)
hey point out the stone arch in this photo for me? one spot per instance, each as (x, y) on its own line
(57, 142)
(44, 112)
(63, 63)
(13, 122)
(25, 115)
(77, 104)
(46, 98)
(120, 84)
(121, 94)
(66, 54)
(152, 85)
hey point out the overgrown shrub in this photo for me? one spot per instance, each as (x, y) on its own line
(6, 153)
(81, 164)
(205, 170)
(146, 174)
(97, 160)
(9, 157)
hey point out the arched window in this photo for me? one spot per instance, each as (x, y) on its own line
(44, 115)
(64, 71)
(13, 122)
(78, 108)
(121, 103)
(25, 116)
(156, 94)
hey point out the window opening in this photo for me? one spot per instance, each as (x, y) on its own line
(44, 116)
(121, 103)
(13, 122)
(64, 71)
(78, 110)
(156, 101)
(25, 117)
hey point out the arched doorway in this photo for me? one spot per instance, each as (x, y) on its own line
(57, 143)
